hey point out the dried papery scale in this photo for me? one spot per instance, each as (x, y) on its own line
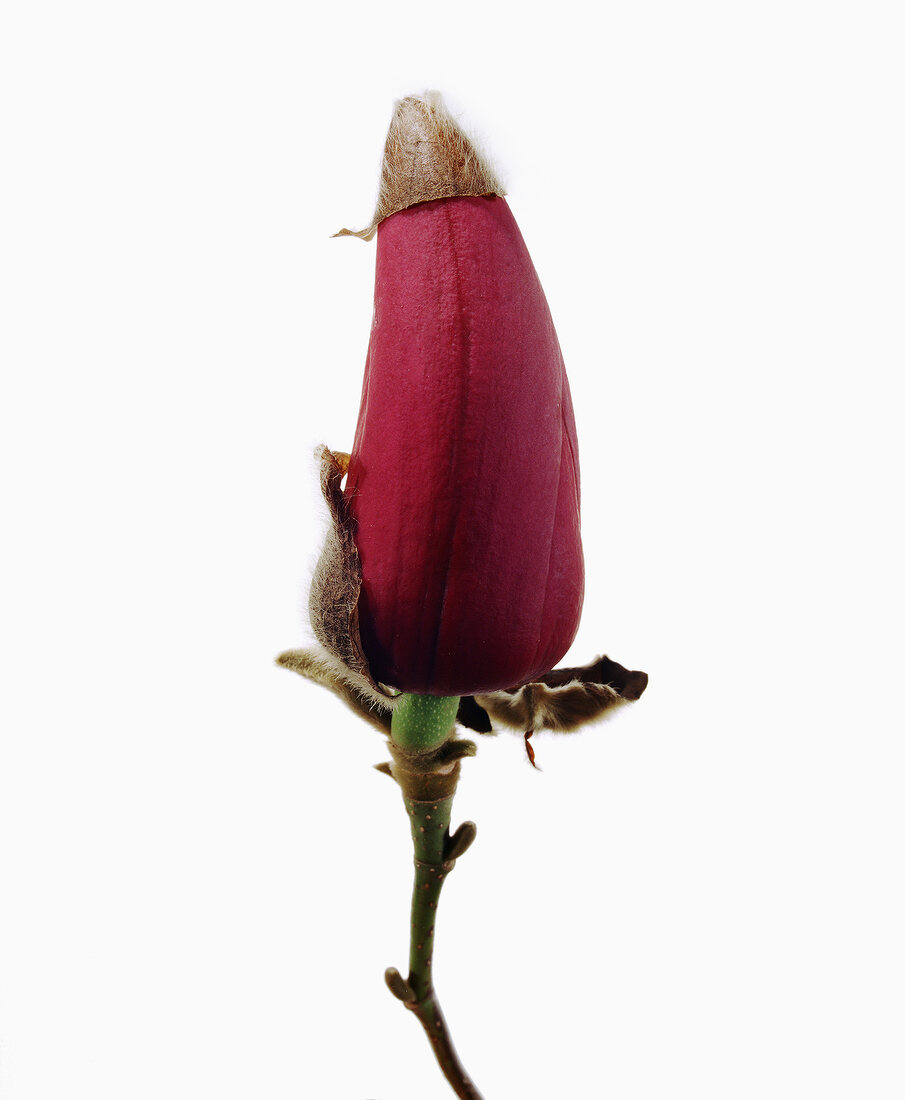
(563, 700)
(426, 156)
(451, 580)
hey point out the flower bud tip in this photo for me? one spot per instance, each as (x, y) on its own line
(427, 156)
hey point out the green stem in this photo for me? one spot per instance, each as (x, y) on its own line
(428, 776)
(424, 722)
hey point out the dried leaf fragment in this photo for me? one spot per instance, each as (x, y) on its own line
(336, 587)
(322, 668)
(562, 700)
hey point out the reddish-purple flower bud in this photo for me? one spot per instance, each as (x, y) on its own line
(463, 482)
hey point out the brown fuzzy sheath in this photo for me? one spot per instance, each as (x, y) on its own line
(321, 667)
(561, 700)
(336, 586)
(427, 156)
(429, 776)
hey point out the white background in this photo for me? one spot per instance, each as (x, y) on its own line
(203, 877)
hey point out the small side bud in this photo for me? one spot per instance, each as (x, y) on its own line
(398, 986)
(461, 840)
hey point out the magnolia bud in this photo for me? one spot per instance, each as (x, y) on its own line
(463, 481)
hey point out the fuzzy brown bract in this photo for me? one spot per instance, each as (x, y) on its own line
(562, 700)
(427, 156)
(335, 592)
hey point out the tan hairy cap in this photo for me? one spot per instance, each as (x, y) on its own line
(426, 156)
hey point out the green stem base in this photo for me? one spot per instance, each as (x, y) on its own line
(427, 769)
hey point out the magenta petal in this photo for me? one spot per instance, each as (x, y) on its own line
(463, 479)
